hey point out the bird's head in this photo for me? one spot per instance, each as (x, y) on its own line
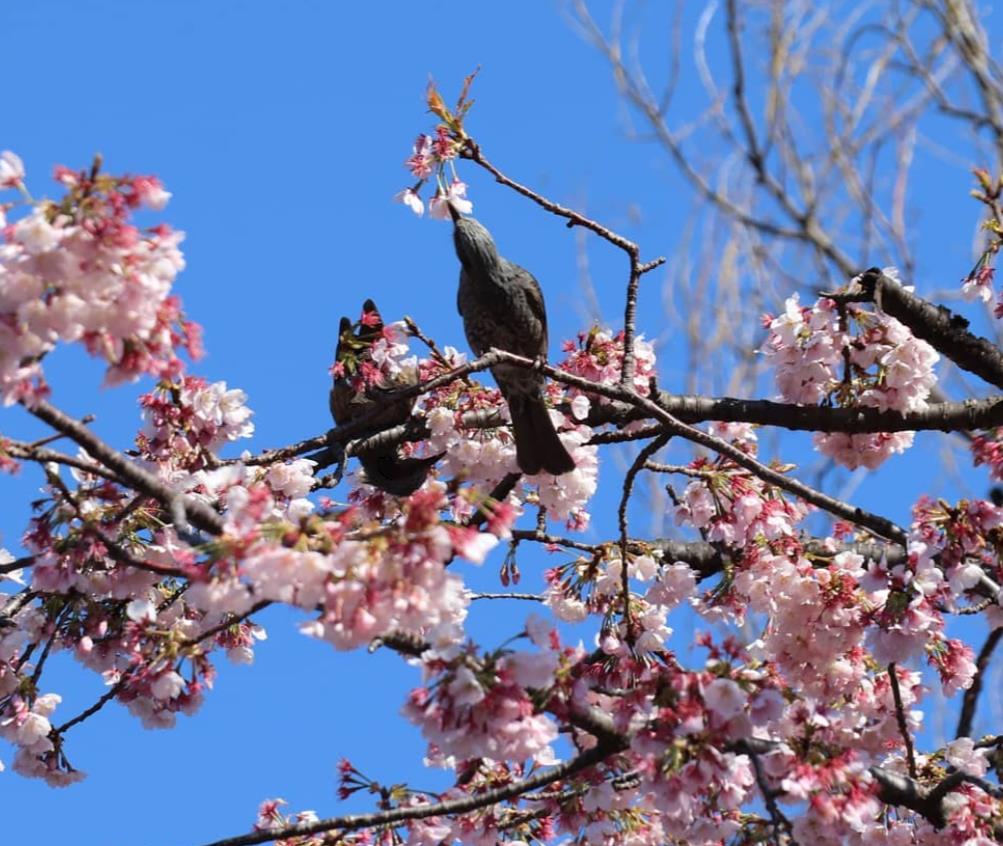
(475, 247)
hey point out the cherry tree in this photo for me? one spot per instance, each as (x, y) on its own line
(825, 625)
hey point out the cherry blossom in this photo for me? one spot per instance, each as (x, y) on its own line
(410, 198)
(80, 271)
(11, 170)
(817, 358)
(979, 284)
(455, 195)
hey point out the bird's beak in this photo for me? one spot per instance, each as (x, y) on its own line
(453, 213)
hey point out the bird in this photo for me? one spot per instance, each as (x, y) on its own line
(353, 396)
(502, 306)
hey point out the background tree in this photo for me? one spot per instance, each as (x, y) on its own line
(799, 717)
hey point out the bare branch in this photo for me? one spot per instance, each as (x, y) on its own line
(970, 700)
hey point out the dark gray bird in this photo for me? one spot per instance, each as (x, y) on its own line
(351, 398)
(502, 307)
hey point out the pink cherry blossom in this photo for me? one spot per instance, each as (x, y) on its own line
(113, 293)
(410, 198)
(455, 196)
(881, 365)
(979, 284)
(11, 170)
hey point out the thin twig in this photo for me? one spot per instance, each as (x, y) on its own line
(354, 822)
(901, 720)
(970, 701)
(628, 485)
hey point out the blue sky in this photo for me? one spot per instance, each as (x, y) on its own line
(281, 130)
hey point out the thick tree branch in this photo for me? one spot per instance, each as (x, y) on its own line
(43, 455)
(873, 522)
(969, 415)
(944, 417)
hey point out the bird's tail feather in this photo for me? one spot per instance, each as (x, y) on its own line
(537, 444)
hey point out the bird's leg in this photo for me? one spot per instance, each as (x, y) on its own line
(539, 362)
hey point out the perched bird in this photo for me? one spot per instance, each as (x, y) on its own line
(353, 395)
(502, 307)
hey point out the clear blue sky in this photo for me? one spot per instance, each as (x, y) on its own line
(281, 129)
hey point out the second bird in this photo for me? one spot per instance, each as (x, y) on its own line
(353, 397)
(502, 307)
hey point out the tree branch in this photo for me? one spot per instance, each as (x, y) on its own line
(970, 700)
(353, 822)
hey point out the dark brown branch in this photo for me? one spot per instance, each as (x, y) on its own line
(232, 620)
(498, 494)
(968, 415)
(110, 694)
(777, 817)
(893, 788)
(637, 270)
(17, 564)
(628, 486)
(115, 551)
(873, 522)
(900, 718)
(970, 700)
(472, 152)
(404, 643)
(528, 597)
(708, 559)
(113, 691)
(904, 792)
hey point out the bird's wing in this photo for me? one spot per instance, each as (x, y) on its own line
(466, 305)
(532, 292)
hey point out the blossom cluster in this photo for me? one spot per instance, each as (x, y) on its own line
(987, 448)
(186, 421)
(432, 155)
(845, 355)
(483, 709)
(79, 270)
(597, 355)
(727, 504)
